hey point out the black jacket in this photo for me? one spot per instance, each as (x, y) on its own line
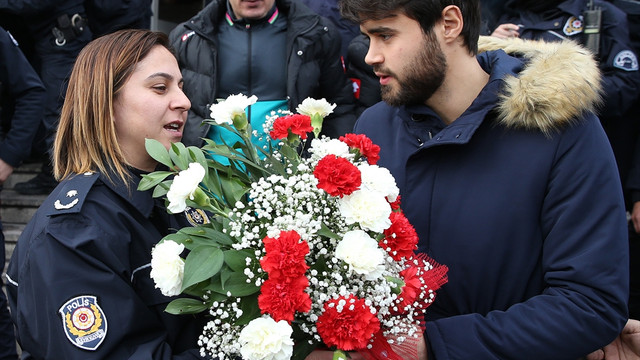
(22, 101)
(314, 68)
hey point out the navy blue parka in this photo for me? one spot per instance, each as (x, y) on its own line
(530, 222)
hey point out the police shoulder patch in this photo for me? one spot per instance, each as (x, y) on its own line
(196, 217)
(574, 25)
(626, 60)
(84, 322)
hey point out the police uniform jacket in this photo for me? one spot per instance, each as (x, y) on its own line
(312, 60)
(520, 198)
(22, 98)
(79, 279)
(617, 59)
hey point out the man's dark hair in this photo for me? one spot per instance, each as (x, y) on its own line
(425, 12)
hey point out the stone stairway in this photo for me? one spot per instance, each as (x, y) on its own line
(16, 209)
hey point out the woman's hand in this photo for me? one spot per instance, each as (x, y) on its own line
(505, 31)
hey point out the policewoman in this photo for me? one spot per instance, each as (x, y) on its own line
(78, 281)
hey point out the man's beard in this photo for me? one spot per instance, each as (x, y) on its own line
(420, 77)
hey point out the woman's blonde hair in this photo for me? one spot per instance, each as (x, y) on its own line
(86, 139)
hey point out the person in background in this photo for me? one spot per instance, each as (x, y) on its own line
(107, 16)
(22, 96)
(59, 31)
(79, 280)
(347, 28)
(499, 173)
(632, 185)
(278, 50)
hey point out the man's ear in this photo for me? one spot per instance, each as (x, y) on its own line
(452, 23)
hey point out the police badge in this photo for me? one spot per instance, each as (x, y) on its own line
(84, 322)
(573, 26)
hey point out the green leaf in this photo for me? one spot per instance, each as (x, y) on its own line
(324, 231)
(250, 309)
(235, 283)
(186, 306)
(150, 180)
(236, 259)
(179, 155)
(162, 189)
(202, 263)
(158, 152)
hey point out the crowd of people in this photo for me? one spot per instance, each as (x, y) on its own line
(511, 129)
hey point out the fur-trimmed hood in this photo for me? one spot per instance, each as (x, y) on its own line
(559, 82)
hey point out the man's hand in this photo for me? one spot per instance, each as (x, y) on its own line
(5, 171)
(625, 347)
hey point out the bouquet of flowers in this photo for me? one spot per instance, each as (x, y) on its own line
(298, 252)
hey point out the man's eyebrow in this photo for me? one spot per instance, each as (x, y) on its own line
(379, 29)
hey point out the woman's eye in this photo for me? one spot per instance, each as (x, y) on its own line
(160, 88)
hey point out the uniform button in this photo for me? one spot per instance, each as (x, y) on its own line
(556, 24)
(299, 52)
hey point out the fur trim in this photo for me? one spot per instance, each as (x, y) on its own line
(560, 81)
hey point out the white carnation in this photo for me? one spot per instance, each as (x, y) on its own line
(368, 208)
(224, 111)
(376, 178)
(323, 147)
(183, 187)
(265, 339)
(362, 253)
(167, 267)
(312, 107)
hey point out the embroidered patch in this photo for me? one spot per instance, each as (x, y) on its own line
(626, 60)
(186, 36)
(70, 194)
(573, 26)
(84, 322)
(196, 217)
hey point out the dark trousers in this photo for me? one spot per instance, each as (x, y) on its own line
(7, 334)
(634, 275)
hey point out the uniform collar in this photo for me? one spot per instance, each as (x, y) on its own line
(141, 200)
(270, 18)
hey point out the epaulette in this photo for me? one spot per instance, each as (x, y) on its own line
(71, 194)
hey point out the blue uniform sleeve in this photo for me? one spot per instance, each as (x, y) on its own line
(73, 296)
(584, 264)
(618, 63)
(23, 88)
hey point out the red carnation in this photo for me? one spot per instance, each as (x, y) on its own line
(400, 239)
(281, 300)
(337, 176)
(285, 256)
(411, 289)
(296, 124)
(349, 326)
(363, 144)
